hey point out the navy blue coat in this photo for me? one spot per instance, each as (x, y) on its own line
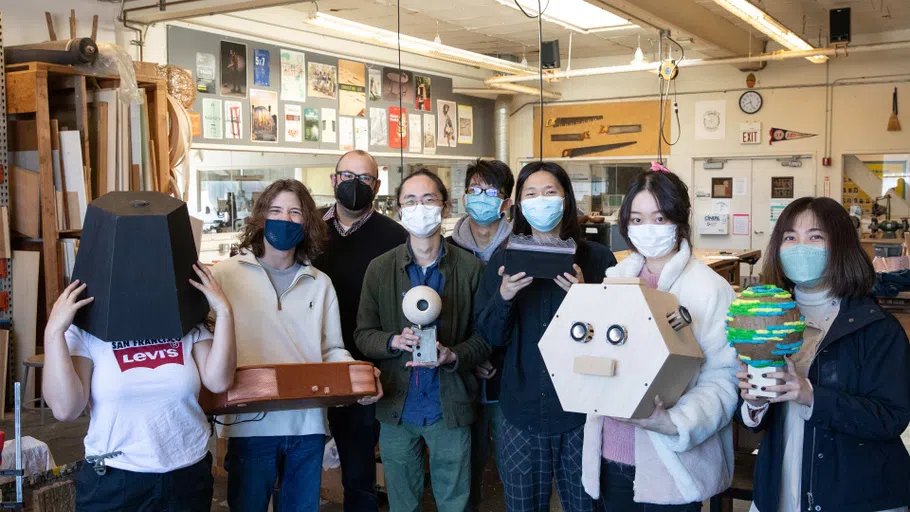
(853, 457)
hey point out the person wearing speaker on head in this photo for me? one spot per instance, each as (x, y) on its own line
(488, 185)
(286, 311)
(832, 437)
(147, 430)
(539, 441)
(681, 455)
(357, 235)
(424, 402)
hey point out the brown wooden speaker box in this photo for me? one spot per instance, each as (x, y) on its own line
(278, 387)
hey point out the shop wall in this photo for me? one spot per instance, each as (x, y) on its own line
(794, 99)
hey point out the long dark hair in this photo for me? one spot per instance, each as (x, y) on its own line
(569, 228)
(849, 272)
(672, 196)
(252, 238)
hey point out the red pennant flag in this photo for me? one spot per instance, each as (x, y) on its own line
(780, 135)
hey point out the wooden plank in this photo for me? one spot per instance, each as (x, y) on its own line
(21, 93)
(71, 151)
(25, 194)
(109, 97)
(592, 365)
(71, 203)
(135, 183)
(72, 23)
(48, 199)
(98, 133)
(83, 127)
(50, 26)
(26, 266)
(59, 176)
(158, 132)
(4, 235)
(61, 210)
(4, 364)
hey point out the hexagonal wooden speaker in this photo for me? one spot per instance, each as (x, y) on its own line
(136, 257)
(613, 346)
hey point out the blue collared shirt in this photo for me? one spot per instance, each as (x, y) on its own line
(423, 405)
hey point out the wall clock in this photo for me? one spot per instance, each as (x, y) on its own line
(750, 102)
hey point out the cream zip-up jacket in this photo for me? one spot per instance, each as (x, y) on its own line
(301, 326)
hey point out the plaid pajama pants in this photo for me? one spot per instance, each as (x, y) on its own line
(529, 463)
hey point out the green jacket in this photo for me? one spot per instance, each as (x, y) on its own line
(380, 317)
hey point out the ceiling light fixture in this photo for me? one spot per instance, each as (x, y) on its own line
(437, 39)
(772, 28)
(389, 39)
(576, 15)
(639, 55)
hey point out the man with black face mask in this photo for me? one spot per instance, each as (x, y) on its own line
(357, 234)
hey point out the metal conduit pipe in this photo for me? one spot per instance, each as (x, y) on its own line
(501, 127)
(631, 68)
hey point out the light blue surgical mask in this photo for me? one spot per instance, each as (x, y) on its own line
(483, 208)
(804, 264)
(543, 212)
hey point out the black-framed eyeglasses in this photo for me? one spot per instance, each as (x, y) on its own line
(476, 191)
(367, 179)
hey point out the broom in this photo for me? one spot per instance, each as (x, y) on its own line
(894, 124)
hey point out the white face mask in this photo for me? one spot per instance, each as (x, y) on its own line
(653, 240)
(420, 220)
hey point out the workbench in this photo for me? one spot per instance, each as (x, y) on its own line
(724, 262)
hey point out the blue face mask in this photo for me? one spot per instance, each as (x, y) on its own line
(283, 235)
(483, 208)
(804, 264)
(543, 212)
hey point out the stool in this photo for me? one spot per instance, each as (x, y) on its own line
(33, 362)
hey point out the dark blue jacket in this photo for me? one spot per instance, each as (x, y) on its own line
(853, 457)
(528, 399)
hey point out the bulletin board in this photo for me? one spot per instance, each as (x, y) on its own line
(263, 89)
(621, 128)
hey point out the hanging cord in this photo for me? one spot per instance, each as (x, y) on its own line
(665, 94)
(401, 116)
(539, 17)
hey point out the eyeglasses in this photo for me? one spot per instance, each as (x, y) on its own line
(427, 201)
(367, 179)
(476, 191)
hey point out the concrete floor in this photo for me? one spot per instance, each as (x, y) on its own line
(65, 442)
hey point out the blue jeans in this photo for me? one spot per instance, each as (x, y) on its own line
(289, 465)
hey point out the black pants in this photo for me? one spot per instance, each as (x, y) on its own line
(356, 433)
(183, 490)
(616, 493)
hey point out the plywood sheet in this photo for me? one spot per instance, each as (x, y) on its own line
(74, 172)
(597, 132)
(98, 145)
(4, 235)
(25, 190)
(4, 364)
(26, 266)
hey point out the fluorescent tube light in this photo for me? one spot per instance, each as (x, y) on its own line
(576, 15)
(772, 28)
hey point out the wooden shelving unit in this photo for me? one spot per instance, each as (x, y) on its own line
(28, 87)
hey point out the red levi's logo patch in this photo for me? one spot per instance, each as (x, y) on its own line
(147, 353)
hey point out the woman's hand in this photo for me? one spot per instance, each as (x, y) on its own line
(443, 357)
(65, 309)
(745, 387)
(794, 388)
(211, 289)
(659, 421)
(367, 400)
(485, 370)
(566, 280)
(511, 285)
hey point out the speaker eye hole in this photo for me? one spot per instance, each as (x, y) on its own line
(423, 305)
(139, 203)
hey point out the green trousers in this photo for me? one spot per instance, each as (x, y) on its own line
(404, 457)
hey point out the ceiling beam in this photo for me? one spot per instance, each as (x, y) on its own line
(151, 11)
(693, 19)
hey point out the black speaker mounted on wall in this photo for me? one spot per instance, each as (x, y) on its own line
(549, 54)
(839, 26)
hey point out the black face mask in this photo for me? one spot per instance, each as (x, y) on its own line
(354, 195)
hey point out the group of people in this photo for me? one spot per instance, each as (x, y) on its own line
(322, 286)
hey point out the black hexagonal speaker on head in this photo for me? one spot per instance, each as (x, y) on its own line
(136, 256)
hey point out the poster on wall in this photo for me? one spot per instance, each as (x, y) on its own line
(447, 134)
(293, 131)
(329, 126)
(264, 115)
(261, 67)
(322, 80)
(424, 99)
(710, 120)
(233, 69)
(233, 120)
(205, 73)
(375, 84)
(346, 133)
(293, 76)
(379, 134)
(398, 128)
(429, 134)
(397, 82)
(352, 99)
(311, 124)
(361, 134)
(415, 140)
(211, 119)
(465, 124)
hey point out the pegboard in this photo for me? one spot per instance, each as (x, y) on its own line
(6, 284)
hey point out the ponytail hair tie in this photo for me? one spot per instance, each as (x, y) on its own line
(657, 166)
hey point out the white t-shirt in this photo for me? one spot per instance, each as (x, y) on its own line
(144, 401)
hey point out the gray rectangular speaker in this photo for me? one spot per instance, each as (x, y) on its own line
(549, 54)
(839, 25)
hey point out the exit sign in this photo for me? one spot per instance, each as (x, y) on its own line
(751, 133)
